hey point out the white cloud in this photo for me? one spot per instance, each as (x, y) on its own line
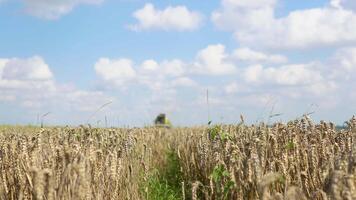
(232, 88)
(253, 73)
(159, 81)
(346, 59)
(233, 17)
(335, 3)
(150, 66)
(171, 68)
(54, 9)
(346, 4)
(249, 3)
(322, 88)
(317, 79)
(330, 79)
(159, 77)
(342, 65)
(92, 99)
(293, 75)
(7, 98)
(174, 68)
(249, 55)
(117, 71)
(33, 68)
(296, 75)
(242, 79)
(2, 65)
(171, 18)
(183, 82)
(213, 60)
(30, 83)
(257, 25)
(168, 74)
(18, 73)
(173, 85)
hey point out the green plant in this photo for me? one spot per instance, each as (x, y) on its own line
(222, 180)
(290, 145)
(165, 181)
(157, 189)
(214, 131)
(217, 131)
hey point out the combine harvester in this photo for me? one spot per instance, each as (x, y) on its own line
(162, 121)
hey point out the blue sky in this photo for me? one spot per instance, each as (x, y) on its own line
(256, 57)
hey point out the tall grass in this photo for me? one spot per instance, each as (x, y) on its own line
(297, 160)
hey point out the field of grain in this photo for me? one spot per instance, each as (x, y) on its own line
(298, 160)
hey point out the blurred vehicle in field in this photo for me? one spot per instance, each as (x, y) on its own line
(162, 121)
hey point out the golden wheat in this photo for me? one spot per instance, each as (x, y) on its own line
(297, 160)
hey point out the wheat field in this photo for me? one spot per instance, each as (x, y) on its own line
(297, 160)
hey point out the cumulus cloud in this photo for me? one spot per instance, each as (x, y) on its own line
(150, 66)
(54, 9)
(213, 60)
(184, 82)
(346, 4)
(172, 68)
(342, 65)
(232, 88)
(249, 55)
(345, 58)
(158, 82)
(299, 75)
(250, 70)
(249, 3)
(157, 76)
(210, 61)
(82, 100)
(2, 65)
(294, 80)
(244, 78)
(170, 85)
(33, 68)
(117, 71)
(18, 73)
(178, 18)
(328, 81)
(248, 15)
(29, 82)
(7, 98)
(258, 25)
